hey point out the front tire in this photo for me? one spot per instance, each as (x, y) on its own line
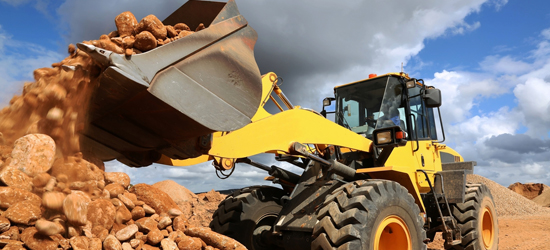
(477, 219)
(246, 213)
(369, 215)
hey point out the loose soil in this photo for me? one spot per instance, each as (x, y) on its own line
(517, 233)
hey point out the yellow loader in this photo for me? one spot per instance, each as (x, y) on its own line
(376, 178)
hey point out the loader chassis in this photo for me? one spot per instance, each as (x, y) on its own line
(373, 179)
(326, 191)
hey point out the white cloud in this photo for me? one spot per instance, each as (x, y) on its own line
(505, 65)
(18, 60)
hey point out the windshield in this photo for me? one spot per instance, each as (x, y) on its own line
(365, 106)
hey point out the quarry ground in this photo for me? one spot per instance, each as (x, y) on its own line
(518, 233)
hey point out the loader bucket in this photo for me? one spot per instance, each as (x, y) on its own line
(170, 99)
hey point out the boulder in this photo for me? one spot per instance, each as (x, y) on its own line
(95, 244)
(4, 224)
(117, 177)
(114, 189)
(153, 197)
(127, 232)
(101, 212)
(75, 207)
(146, 224)
(126, 22)
(145, 41)
(33, 154)
(79, 243)
(152, 24)
(154, 236)
(53, 200)
(13, 177)
(49, 228)
(35, 241)
(111, 243)
(138, 213)
(23, 212)
(179, 194)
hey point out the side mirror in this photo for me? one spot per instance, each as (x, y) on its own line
(432, 98)
(327, 101)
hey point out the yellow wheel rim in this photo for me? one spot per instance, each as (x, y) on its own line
(392, 233)
(487, 228)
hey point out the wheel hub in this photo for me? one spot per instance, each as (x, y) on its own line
(487, 229)
(392, 233)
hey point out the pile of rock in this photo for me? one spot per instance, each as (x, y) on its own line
(132, 37)
(508, 202)
(528, 190)
(78, 206)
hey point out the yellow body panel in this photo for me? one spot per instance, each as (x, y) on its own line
(279, 131)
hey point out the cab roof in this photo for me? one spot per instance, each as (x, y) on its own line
(396, 74)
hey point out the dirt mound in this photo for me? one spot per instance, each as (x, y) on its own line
(508, 202)
(52, 196)
(543, 199)
(528, 190)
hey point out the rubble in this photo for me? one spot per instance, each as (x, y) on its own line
(52, 196)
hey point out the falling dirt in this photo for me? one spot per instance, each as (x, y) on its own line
(53, 196)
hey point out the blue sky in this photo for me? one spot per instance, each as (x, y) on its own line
(491, 58)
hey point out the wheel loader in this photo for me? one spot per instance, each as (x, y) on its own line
(376, 177)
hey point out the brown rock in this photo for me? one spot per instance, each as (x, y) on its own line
(179, 194)
(116, 202)
(111, 243)
(190, 243)
(12, 233)
(180, 223)
(200, 27)
(127, 246)
(154, 236)
(181, 26)
(117, 177)
(127, 232)
(171, 31)
(95, 244)
(101, 212)
(148, 209)
(73, 231)
(146, 224)
(126, 22)
(214, 239)
(33, 154)
(114, 189)
(75, 207)
(14, 246)
(53, 200)
(152, 24)
(24, 212)
(184, 33)
(4, 224)
(49, 228)
(123, 215)
(100, 232)
(79, 243)
(149, 247)
(34, 241)
(40, 180)
(128, 42)
(62, 242)
(164, 222)
(145, 41)
(14, 178)
(153, 197)
(138, 213)
(127, 202)
(167, 244)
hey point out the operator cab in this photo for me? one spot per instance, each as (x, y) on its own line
(387, 101)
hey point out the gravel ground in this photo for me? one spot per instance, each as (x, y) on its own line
(508, 202)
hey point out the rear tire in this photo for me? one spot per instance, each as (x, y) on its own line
(368, 215)
(477, 219)
(246, 213)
